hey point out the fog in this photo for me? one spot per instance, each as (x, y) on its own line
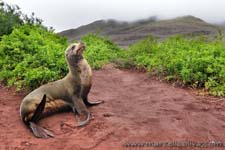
(66, 14)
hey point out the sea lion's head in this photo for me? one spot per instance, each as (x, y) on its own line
(74, 52)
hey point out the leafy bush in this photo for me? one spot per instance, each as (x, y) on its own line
(99, 50)
(30, 56)
(197, 62)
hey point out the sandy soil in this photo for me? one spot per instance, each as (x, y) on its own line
(136, 110)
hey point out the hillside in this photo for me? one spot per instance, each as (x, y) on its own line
(125, 33)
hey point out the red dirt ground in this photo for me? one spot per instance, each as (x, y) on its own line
(136, 110)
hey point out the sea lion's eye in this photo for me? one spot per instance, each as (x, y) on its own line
(72, 48)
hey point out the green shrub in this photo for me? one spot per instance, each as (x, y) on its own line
(11, 16)
(30, 56)
(100, 51)
(196, 62)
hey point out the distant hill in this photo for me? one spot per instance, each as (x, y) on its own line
(222, 24)
(125, 33)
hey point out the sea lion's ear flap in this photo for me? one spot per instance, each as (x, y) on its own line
(39, 110)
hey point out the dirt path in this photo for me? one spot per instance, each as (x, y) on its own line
(136, 109)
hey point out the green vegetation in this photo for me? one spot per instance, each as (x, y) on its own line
(31, 55)
(100, 51)
(11, 16)
(196, 62)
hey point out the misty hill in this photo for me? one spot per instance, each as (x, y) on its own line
(125, 33)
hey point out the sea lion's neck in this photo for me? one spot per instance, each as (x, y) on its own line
(73, 75)
(74, 66)
(74, 70)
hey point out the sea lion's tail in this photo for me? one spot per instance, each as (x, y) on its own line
(37, 130)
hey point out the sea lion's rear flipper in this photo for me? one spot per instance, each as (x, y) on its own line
(89, 103)
(37, 130)
(39, 110)
(84, 95)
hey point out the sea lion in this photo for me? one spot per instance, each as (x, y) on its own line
(69, 93)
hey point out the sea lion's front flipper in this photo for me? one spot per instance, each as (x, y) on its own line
(37, 130)
(82, 123)
(81, 110)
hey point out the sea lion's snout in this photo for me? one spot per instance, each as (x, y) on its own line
(75, 49)
(78, 48)
(81, 45)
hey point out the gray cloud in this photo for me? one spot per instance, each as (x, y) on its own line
(65, 14)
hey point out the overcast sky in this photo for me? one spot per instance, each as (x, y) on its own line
(66, 14)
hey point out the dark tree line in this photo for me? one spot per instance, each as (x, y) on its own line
(11, 16)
